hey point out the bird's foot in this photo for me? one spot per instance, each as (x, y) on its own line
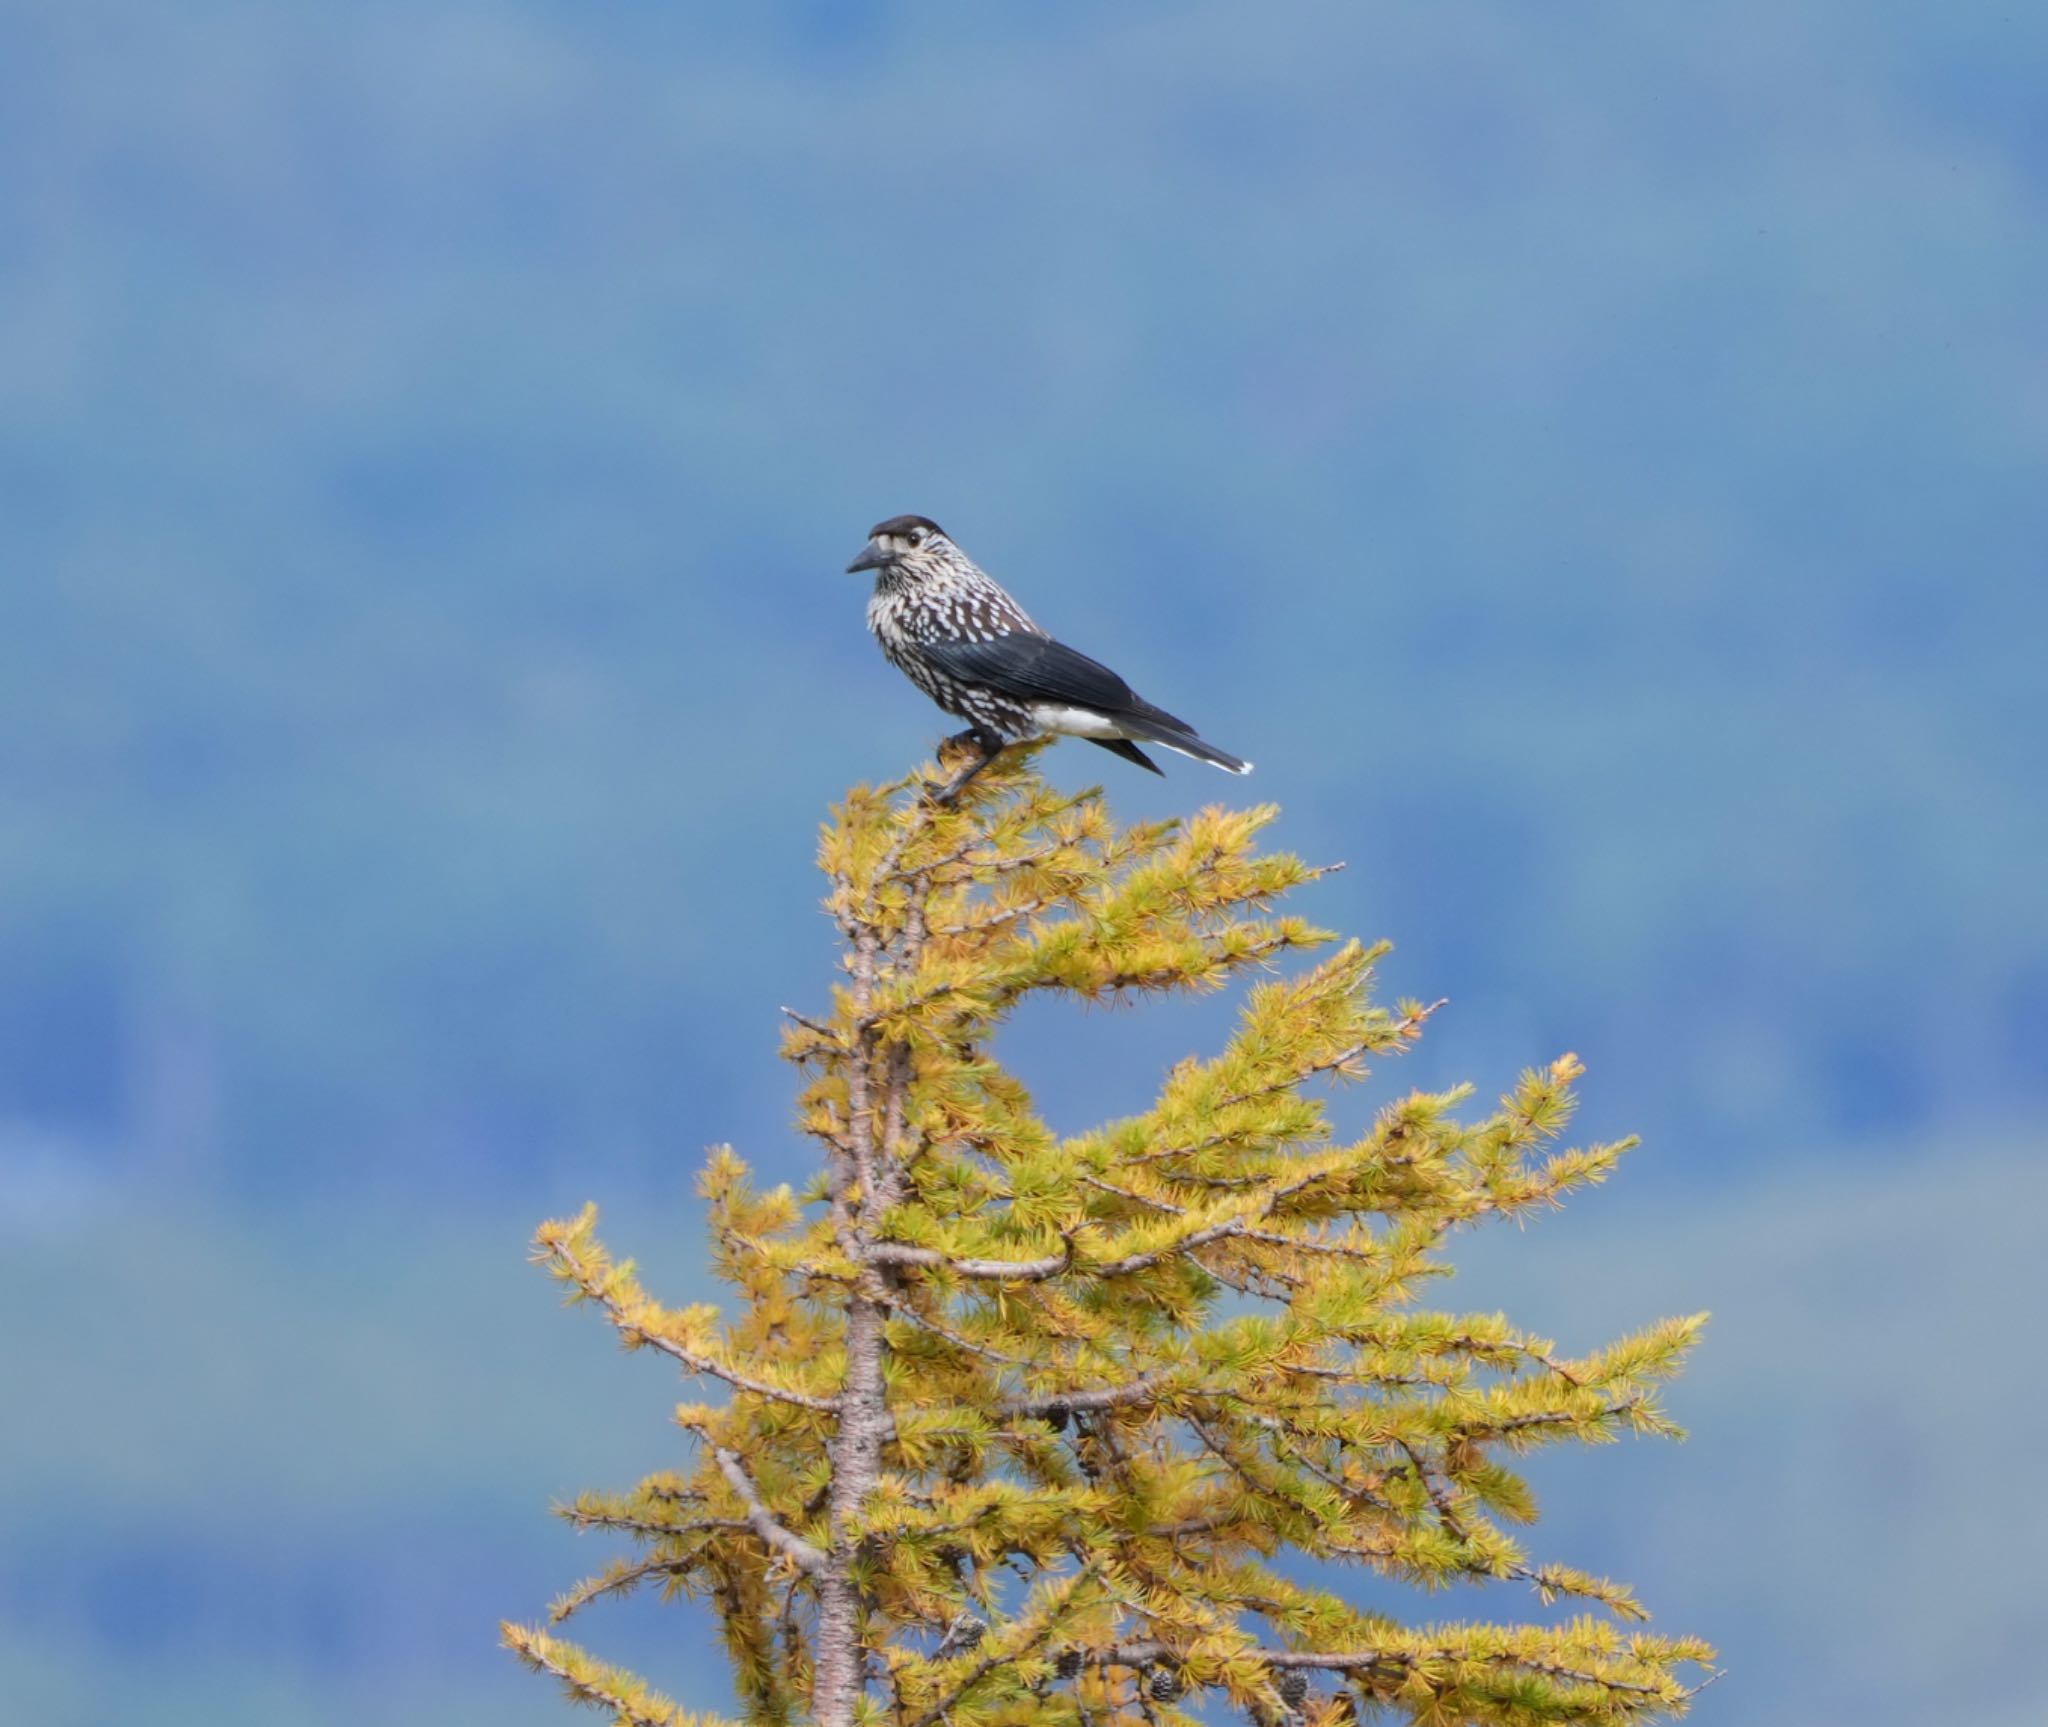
(986, 747)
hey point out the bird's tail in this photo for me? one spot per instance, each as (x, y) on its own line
(1163, 729)
(1130, 752)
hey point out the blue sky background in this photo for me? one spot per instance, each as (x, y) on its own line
(1594, 462)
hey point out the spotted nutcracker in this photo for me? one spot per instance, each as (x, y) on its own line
(950, 627)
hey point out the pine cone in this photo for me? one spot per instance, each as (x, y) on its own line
(1166, 1685)
(1292, 1686)
(1067, 1664)
(1056, 1419)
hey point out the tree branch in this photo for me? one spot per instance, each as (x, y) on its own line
(925, 1323)
(760, 1519)
(1005, 1657)
(1144, 1652)
(1102, 1397)
(999, 1270)
(645, 1530)
(708, 1366)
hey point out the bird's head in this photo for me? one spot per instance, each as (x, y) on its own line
(914, 545)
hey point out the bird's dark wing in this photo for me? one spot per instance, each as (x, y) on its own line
(1030, 668)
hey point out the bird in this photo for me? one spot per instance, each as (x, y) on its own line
(950, 627)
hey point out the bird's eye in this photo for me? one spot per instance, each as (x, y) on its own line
(917, 536)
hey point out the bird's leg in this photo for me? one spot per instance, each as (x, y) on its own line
(986, 742)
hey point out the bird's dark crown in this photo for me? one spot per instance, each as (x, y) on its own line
(900, 525)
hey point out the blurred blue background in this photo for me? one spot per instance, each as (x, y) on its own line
(1594, 462)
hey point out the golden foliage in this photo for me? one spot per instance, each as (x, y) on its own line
(1030, 1418)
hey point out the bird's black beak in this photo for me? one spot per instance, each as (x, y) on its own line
(871, 558)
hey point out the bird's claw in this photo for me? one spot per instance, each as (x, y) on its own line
(985, 751)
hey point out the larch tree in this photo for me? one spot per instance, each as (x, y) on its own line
(1022, 1429)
